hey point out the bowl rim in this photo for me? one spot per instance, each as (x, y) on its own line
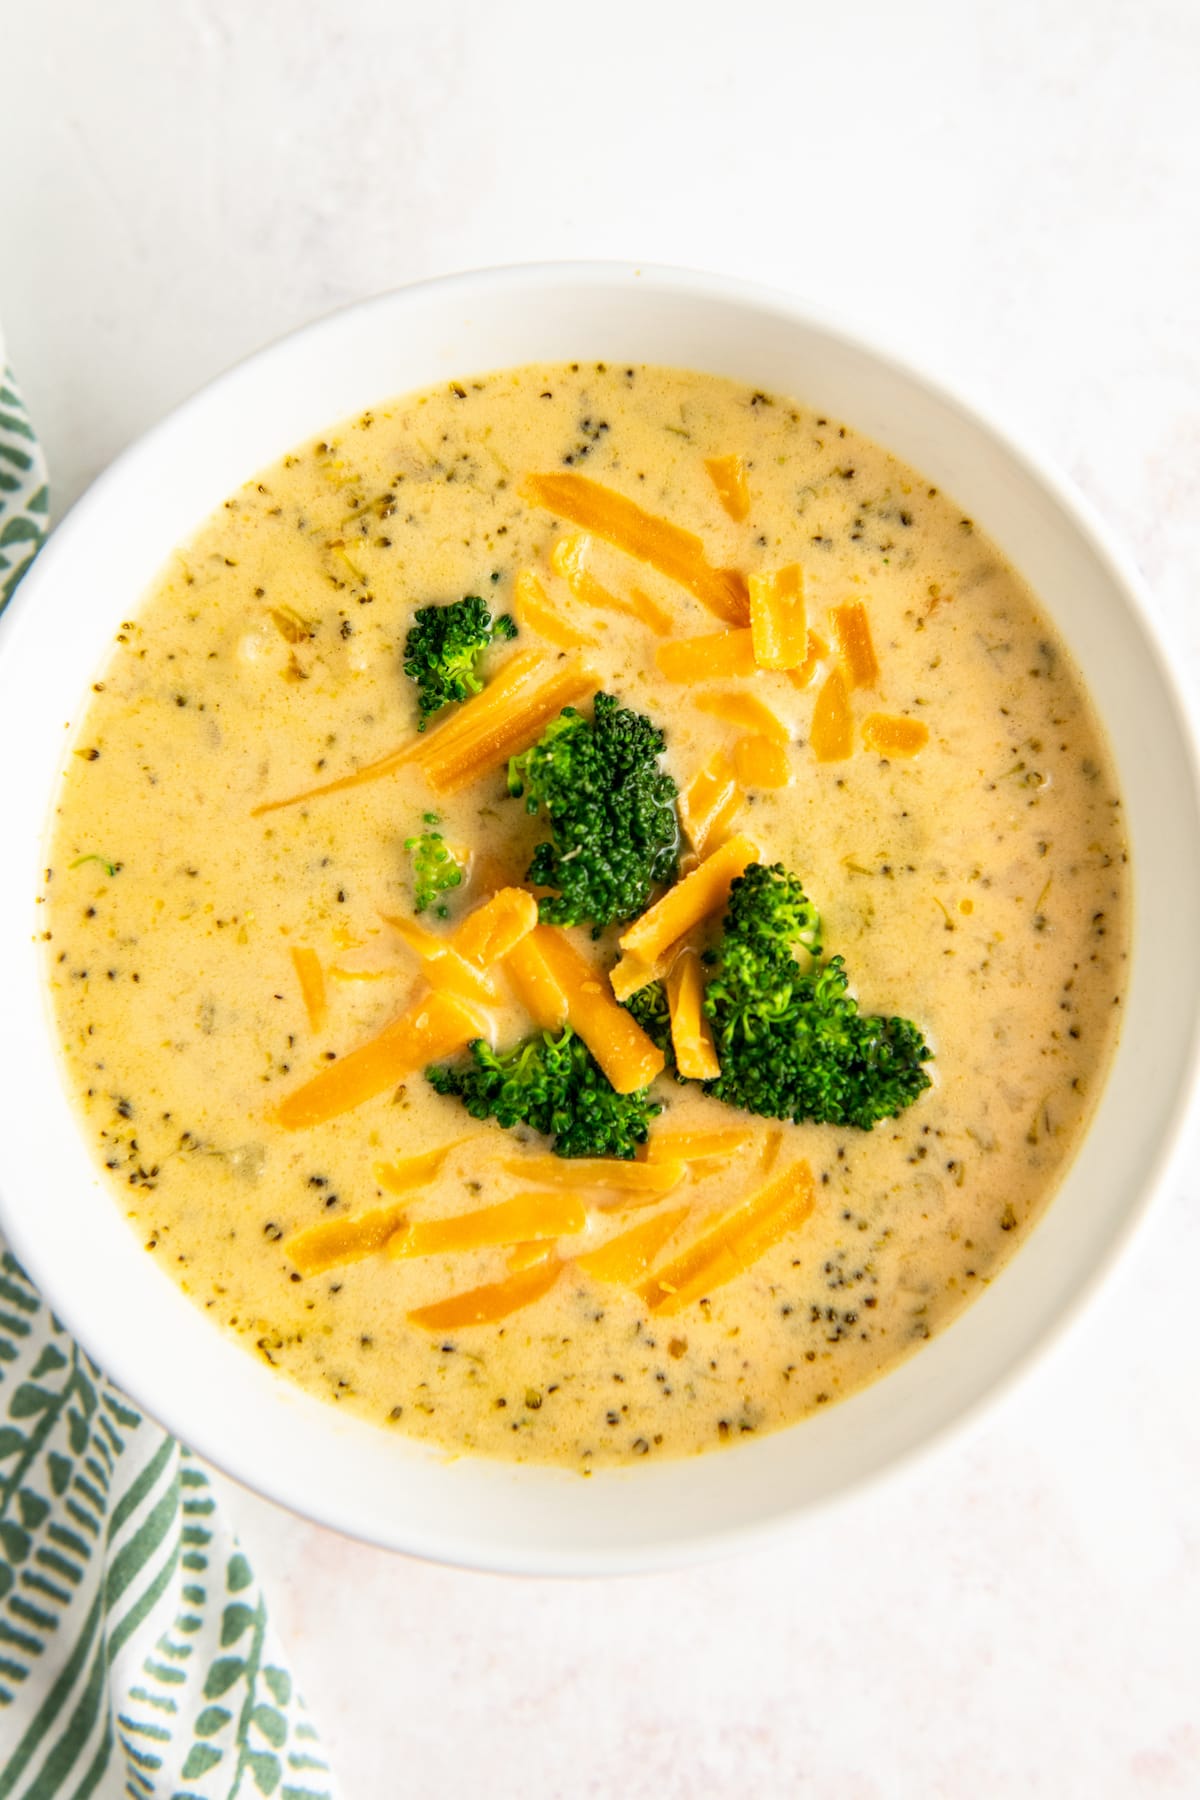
(119, 1359)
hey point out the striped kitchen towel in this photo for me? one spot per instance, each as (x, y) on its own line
(136, 1658)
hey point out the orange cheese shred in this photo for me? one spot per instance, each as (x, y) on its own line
(537, 988)
(424, 943)
(638, 1183)
(746, 710)
(806, 674)
(628, 1057)
(832, 734)
(524, 1256)
(691, 1033)
(568, 559)
(628, 1255)
(373, 771)
(414, 1171)
(535, 613)
(760, 762)
(893, 736)
(309, 974)
(431, 1026)
(853, 631)
(507, 685)
(629, 975)
(710, 802)
(709, 658)
(778, 618)
(450, 973)
(675, 553)
(459, 964)
(735, 1243)
(728, 476)
(768, 1154)
(694, 1146)
(492, 930)
(332, 1242)
(521, 1220)
(650, 612)
(496, 1300)
(694, 898)
(492, 725)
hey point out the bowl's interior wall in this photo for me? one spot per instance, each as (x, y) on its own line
(134, 1320)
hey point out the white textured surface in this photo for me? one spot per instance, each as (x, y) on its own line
(1009, 191)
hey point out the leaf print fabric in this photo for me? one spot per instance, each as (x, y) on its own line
(135, 1652)
(24, 494)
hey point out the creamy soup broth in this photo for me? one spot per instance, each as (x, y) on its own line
(979, 888)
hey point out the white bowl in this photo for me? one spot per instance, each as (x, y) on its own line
(75, 1242)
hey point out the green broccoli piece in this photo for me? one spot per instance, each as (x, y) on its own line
(649, 1008)
(443, 649)
(791, 1042)
(556, 1086)
(434, 868)
(611, 811)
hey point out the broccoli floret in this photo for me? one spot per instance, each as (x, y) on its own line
(443, 648)
(556, 1086)
(770, 915)
(649, 1007)
(791, 1042)
(611, 811)
(434, 869)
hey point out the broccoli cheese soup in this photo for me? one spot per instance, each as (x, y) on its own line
(586, 913)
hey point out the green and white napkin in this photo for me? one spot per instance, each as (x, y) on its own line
(136, 1658)
(24, 494)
